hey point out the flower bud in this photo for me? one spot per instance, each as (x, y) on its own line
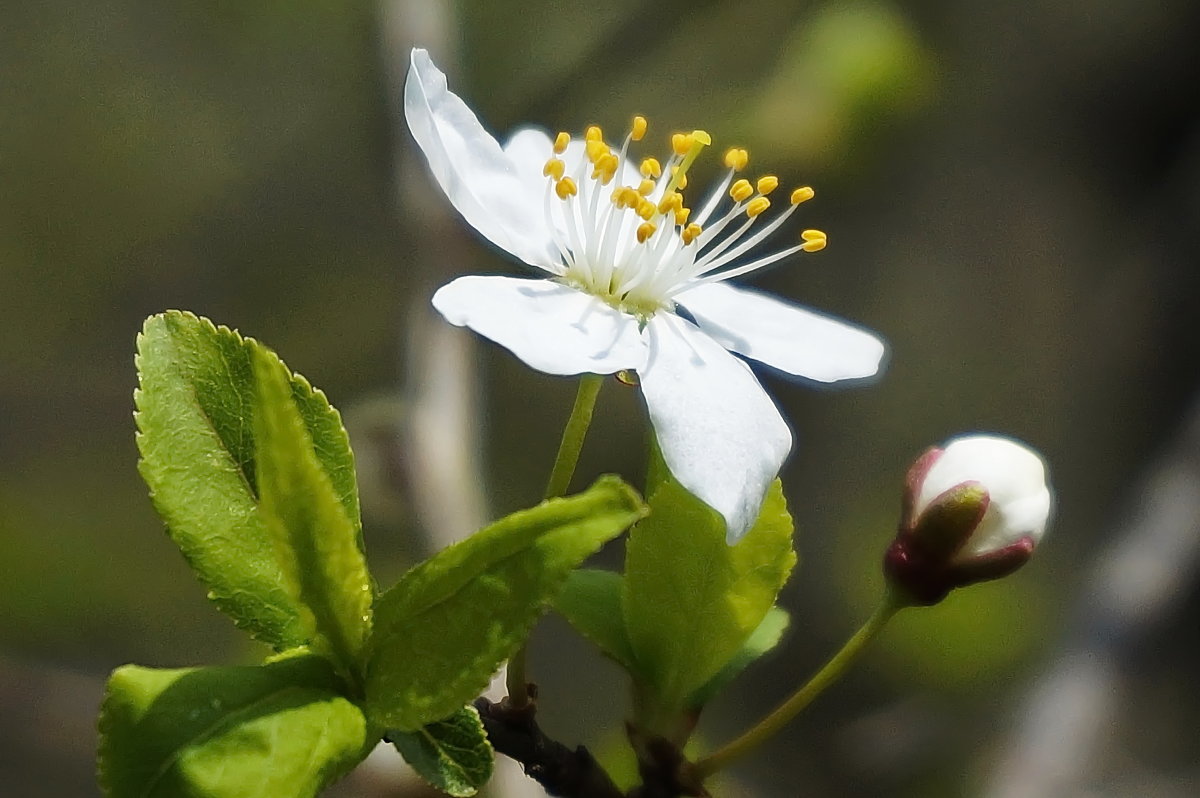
(972, 511)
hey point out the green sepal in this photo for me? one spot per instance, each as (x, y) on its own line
(280, 729)
(444, 629)
(761, 640)
(453, 755)
(316, 545)
(591, 603)
(690, 601)
(195, 417)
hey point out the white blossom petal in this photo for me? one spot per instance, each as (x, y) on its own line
(720, 434)
(790, 338)
(551, 327)
(1014, 477)
(480, 180)
(528, 149)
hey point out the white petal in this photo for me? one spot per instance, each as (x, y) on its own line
(479, 179)
(552, 327)
(1013, 475)
(789, 338)
(719, 432)
(528, 149)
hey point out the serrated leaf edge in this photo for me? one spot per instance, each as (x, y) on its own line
(296, 378)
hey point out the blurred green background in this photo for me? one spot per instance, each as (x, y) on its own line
(1012, 197)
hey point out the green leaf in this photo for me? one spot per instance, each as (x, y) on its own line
(690, 600)
(453, 755)
(282, 729)
(442, 631)
(195, 418)
(591, 603)
(761, 640)
(316, 545)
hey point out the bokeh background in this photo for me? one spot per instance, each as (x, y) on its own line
(1012, 195)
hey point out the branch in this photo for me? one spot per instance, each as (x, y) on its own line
(560, 770)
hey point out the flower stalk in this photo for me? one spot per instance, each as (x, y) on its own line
(573, 435)
(833, 670)
(565, 462)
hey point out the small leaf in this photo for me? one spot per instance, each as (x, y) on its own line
(316, 545)
(453, 755)
(282, 729)
(690, 600)
(761, 640)
(591, 603)
(442, 631)
(195, 416)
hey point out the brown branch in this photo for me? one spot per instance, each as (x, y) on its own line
(575, 773)
(562, 771)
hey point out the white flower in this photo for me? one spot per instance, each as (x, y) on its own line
(630, 278)
(1014, 477)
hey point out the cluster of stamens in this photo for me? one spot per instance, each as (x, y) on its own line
(644, 244)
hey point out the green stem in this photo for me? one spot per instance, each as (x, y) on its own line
(573, 435)
(797, 701)
(560, 479)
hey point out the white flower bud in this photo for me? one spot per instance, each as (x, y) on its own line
(972, 511)
(1014, 477)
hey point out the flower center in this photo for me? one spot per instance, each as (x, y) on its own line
(626, 234)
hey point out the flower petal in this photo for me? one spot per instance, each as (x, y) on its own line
(789, 338)
(528, 149)
(719, 432)
(479, 179)
(552, 327)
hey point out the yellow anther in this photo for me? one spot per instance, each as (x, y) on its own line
(605, 176)
(594, 133)
(645, 187)
(741, 190)
(560, 143)
(626, 197)
(595, 150)
(565, 188)
(639, 128)
(606, 167)
(678, 177)
(554, 168)
(736, 159)
(690, 233)
(670, 202)
(695, 141)
(757, 206)
(644, 231)
(681, 216)
(651, 168)
(802, 194)
(646, 209)
(814, 241)
(681, 143)
(767, 184)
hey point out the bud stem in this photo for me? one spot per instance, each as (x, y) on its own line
(783, 714)
(560, 479)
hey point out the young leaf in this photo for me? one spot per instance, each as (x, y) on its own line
(442, 631)
(316, 545)
(690, 600)
(761, 640)
(453, 755)
(195, 416)
(591, 602)
(282, 729)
